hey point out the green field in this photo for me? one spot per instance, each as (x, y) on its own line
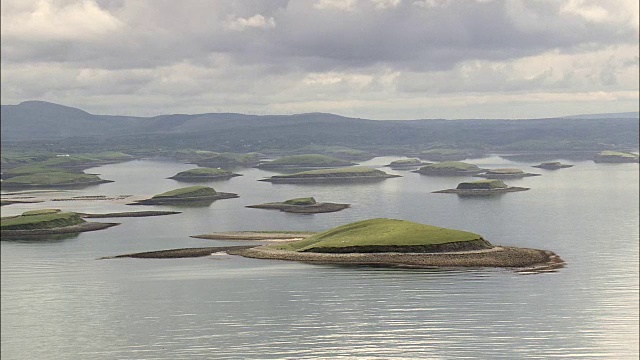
(301, 201)
(52, 178)
(482, 185)
(187, 192)
(380, 232)
(41, 212)
(41, 221)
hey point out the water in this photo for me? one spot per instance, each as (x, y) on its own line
(59, 302)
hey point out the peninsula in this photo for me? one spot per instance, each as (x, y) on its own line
(481, 188)
(334, 175)
(302, 206)
(186, 195)
(52, 179)
(46, 222)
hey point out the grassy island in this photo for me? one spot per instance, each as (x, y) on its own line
(482, 187)
(203, 174)
(450, 168)
(306, 205)
(305, 161)
(349, 174)
(52, 179)
(406, 164)
(615, 157)
(552, 165)
(46, 222)
(507, 173)
(186, 195)
(444, 155)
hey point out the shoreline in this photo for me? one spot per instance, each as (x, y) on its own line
(88, 226)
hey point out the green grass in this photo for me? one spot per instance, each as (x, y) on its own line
(309, 160)
(190, 191)
(42, 221)
(451, 165)
(348, 171)
(406, 162)
(52, 178)
(482, 185)
(505, 171)
(25, 170)
(301, 201)
(40, 212)
(204, 171)
(380, 232)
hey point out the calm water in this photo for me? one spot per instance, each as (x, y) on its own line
(59, 302)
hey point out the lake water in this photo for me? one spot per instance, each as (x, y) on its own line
(60, 302)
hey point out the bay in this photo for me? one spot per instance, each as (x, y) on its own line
(59, 301)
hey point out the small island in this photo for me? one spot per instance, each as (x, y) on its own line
(444, 154)
(203, 174)
(450, 168)
(615, 157)
(46, 222)
(186, 195)
(307, 161)
(339, 175)
(52, 179)
(407, 164)
(481, 188)
(507, 173)
(306, 205)
(553, 165)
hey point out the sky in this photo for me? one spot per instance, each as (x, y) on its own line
(375, 59)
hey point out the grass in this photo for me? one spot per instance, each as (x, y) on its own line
(309, 160)
(505, 171)
(349, 171)
(482, 185)
(301, 201)
(406, 162)
(25, 170)
(40, 212)
(52, 178)
(41, 221)
(380, 232)
(185, 192)
(204, 171)
(451, 165)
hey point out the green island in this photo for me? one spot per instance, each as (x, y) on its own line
(481, 188)
(450, 168)
(552, 165)
(223, 160)
(608, 156)
(506, 173)
(306, 205)
(305, 161)
(204, 173)
(349, 174)
(405, 164)
(52, 179)
(46, 222)
(188, 194)
(385, 242)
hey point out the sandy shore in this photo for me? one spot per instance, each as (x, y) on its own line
(499, 256)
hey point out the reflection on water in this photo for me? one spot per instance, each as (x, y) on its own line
(58, 301)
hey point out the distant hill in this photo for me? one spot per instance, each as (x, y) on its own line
(70, 128)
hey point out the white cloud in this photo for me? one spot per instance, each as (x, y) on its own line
(345, 5)
(386, 4)
(256, 21)
(48, 20)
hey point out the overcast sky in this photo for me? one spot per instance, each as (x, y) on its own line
(377, 59)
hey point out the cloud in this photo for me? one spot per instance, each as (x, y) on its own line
(255, 21)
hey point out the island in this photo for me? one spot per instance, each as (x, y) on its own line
(615, 157)
(444, 154)
(407, 164)
(307, 161)
(552, 165)
(203, 174)
(52, 179)
(306, 205)
(46, 222)
(450, 168)
(481, 188)
(186, 195)
(386, 242)
(334, 175)
(507, 173)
